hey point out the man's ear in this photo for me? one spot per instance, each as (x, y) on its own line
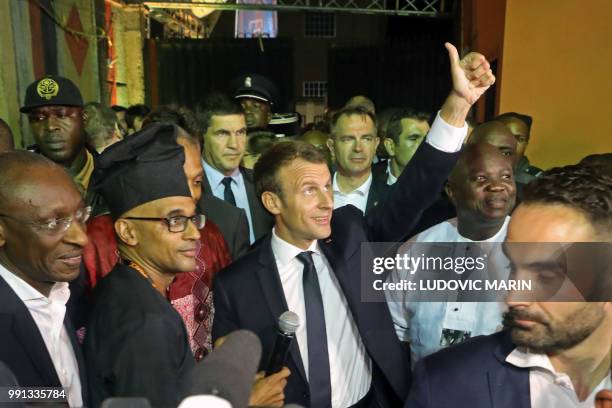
(389, 146)
(126, 232)
(330, 144)
(2, 235)
(449, 192)
(271, 202)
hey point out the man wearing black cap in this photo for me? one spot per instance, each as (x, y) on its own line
(136, 343)
(55, 111)
(256, 94)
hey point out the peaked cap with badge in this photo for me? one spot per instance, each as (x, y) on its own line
(51, 90)
(254, 86)
(142, 168)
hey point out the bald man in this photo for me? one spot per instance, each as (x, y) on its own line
(363, 101)
(7, 143)
(42, 236)
(497, 134)
(319, 140)
(481, 186)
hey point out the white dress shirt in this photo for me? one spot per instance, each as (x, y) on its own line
(427, 324)
(391, 179)
(350, 366)
(549, 388)
(357, 197)
(215, 179)
(48, 314)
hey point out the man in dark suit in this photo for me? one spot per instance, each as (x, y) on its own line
(225, 138)
(353, 141)
(136, 343)
(346, 352)
(42, 235)
(555, 351)
(230, 219)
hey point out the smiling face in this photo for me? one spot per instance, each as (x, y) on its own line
(58, 131)
(36, 255)
(225, 142)
(354, 144)
(482, 185)
(548, 326)
(303, 209)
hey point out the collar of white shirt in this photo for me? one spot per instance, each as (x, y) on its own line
(362, 190)
(286, 252)
(525, 359)
(216, 177)
(391, 179)
(60, 291)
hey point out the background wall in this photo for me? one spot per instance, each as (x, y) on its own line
(44, 37)
(556, 67)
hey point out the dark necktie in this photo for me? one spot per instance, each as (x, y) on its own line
(318, 357)
(228, 194)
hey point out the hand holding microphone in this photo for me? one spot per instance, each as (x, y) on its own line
(270, 385)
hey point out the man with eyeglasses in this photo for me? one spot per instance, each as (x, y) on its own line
(136, 343)
(42, 235)
(55, 112)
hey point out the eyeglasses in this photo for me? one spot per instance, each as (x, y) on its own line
(177, 223)
(57, 226)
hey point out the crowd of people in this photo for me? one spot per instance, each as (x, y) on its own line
(133, 242)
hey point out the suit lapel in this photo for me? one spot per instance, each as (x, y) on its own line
(27, 332)
(254, 203)
(507, 382)
(274, 295)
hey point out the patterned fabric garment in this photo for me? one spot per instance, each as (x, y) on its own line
(190, 293)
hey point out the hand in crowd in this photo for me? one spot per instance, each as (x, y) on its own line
(269, 391)
(471, 75)
(603, 399)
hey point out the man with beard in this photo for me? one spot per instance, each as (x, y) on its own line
(481, 187)
(55, 111)
(553, 353)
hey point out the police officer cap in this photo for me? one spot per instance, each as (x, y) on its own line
(256, 87)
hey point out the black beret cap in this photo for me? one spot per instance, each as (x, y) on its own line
(51, 90)
(254, 86)
(141, 168)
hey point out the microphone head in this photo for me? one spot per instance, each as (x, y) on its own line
(289, 322)
(229, 371)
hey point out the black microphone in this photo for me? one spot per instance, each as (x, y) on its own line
(228, 372)
(288, 324)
